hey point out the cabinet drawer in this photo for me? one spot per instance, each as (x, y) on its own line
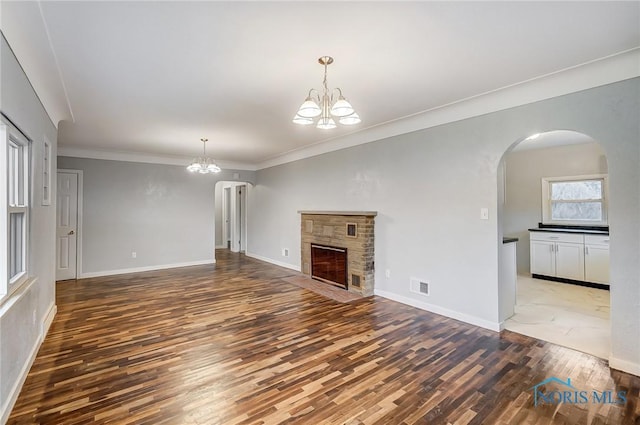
(596, 240)
(556, 237)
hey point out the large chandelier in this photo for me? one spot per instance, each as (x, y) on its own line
(326, 107)
(203, 164)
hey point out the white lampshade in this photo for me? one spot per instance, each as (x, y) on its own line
(341, 108)
(302, 120)
(326, 123)
(350, 119)
(309, 109)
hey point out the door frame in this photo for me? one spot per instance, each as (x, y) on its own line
(241, 216)
(226, 217)
(79, 232)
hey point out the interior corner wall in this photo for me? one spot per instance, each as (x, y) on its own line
(25, 316)
(428, 187)
(524, 172)
(163, 213)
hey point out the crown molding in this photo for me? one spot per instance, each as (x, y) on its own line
(618, 67)
(76, 152)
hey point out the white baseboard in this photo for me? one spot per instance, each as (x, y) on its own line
(7, 407)
(48, 320)
(221, 247)
(472, 320)
(269, 260)
(145, 269)
(624, 365)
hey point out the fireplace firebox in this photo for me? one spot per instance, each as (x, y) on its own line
(329, 264)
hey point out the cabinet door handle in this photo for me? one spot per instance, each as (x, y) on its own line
(586, 250)
(554, 237)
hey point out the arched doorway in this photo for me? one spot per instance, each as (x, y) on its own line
(545, 202)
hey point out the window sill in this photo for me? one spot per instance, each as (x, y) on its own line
(16, 292)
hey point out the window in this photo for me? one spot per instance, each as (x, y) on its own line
(15, 220)
(579, 200)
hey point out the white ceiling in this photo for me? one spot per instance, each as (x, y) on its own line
(155, 77)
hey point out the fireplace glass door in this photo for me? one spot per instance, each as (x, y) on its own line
(329, 264)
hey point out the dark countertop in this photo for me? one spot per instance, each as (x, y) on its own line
(576, 231)
(507, 239)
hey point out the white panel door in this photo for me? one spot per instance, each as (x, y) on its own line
(596, 264)
(543, 258)
(66, 226)
(570, 260)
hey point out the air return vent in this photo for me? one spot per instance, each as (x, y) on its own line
(419, 286)
(355, 280)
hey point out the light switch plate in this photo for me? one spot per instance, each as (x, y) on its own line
(484, 213)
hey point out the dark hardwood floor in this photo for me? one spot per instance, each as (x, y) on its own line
(235, 344)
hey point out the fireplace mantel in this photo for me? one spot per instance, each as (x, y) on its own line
(349, 213)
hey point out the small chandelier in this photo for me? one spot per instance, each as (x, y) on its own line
(326, 107)
(203, 164)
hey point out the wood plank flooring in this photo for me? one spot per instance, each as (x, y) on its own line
(235, 344)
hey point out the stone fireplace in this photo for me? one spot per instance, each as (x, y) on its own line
(337, 247)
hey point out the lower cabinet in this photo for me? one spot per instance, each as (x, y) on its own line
(596, 254)
(570, 260)
(570, 256)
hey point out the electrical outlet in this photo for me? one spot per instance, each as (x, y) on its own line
(387, 273)
(134, 254)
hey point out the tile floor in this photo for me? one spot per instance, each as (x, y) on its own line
(569, 315)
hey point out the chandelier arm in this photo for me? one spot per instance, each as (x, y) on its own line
(311, 92)
(339, 93)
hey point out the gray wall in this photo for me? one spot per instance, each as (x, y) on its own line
(22, 324)
(525, 169)
(162, 212)
(428, 187)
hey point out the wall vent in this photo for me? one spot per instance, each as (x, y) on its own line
(355, 280)
(419, 286)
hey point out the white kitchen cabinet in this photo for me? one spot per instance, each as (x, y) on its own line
(570, 260)
(558, 255)
(596, 259)
(543, 257)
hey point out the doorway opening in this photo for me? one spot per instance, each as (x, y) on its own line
(552, 207)
(231, 215)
